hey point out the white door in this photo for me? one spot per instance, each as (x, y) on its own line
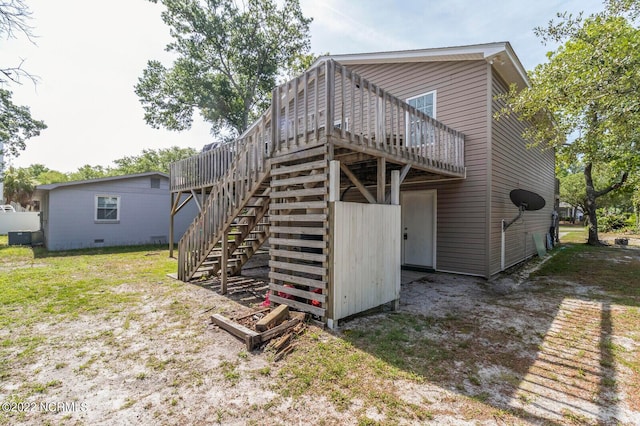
(418, 228)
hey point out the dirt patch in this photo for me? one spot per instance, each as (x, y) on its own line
(536, 349)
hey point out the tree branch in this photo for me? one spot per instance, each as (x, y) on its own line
(14, 15)
(14, 74)
(613, 186)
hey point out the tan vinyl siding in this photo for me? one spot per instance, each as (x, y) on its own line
(461, 103)
(516, 166)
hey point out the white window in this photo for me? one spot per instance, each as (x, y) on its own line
(425, 103)
(107, 208)
(420, 132)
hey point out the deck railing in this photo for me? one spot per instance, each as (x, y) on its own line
(356, 112)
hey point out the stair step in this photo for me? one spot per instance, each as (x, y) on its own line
(253, 231)
(208, 264)
(244, 246)
(247, 224)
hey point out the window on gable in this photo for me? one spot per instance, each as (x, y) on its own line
(107, 208)
(155, 182)
(418, 131)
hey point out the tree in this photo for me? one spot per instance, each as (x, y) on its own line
(16, 123)
(51, 176)
(43, 175)
(229, 57)
(88, 172)
(152, 161)
(588, 88)
(635, 200)
(19, 185)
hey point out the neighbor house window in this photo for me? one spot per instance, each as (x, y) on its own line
(107, 208)
(418, 131)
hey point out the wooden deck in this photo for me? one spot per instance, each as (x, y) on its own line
(375, 123)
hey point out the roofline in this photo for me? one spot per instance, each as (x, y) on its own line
(51, 186)
(499, 54)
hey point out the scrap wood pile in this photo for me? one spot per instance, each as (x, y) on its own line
(275, 329)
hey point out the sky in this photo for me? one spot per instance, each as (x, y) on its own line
(89, 54)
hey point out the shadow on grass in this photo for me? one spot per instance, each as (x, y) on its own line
(543, 353)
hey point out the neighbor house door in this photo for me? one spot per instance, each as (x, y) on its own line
(419, 228)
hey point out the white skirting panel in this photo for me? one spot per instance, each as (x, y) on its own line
(366, 257)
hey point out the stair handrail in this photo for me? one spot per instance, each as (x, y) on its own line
(227, 196)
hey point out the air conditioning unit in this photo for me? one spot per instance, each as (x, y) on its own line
(19, 238)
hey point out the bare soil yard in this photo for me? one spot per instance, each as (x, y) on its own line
(108, 331)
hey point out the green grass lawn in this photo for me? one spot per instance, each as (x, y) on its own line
(573, 234)
(41, 284)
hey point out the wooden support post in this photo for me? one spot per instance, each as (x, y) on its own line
(403, 174)
(224, 259)
(275, 121)
(382, 179)
(395, 187)
(329, 78)
(171, 215)
(334, 180)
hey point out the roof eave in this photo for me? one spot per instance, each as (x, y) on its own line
(499, 54)
(52, 186)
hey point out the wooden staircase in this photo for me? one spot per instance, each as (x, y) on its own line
(247, 234)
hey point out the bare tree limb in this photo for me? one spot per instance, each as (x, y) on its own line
(14, 18)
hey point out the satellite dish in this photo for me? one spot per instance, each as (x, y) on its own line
(526, 200)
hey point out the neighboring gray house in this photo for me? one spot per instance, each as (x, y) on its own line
(112, 211)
